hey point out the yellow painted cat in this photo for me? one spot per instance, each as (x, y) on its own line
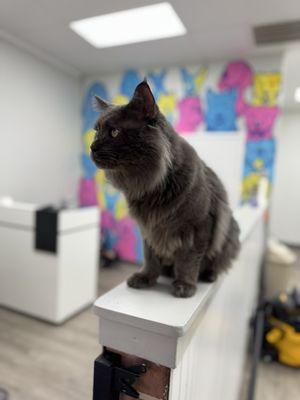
(250, 186)
(265, 88)
(121, 210)
(120, 100)
(167, 103)
(101, 183)
(105, 188)
(88, 138)
(200, 77)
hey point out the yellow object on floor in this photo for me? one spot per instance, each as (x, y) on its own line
(286, 340)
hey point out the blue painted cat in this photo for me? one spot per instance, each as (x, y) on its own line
(220, 112)
(130, 80)
(89, 114)
(89, 168)
(260, 157)
(188, 81)
(138, 245)
(157, 80)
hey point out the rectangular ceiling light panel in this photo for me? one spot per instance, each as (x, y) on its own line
(141, 24)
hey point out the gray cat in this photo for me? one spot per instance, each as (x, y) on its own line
(178, 202)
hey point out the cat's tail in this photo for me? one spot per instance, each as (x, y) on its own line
(221, 261)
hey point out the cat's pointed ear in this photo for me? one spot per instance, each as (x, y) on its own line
(99, 104)
(143, 101)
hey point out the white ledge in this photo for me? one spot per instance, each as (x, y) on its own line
(155, 310)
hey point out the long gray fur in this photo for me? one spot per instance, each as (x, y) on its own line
(178, 202)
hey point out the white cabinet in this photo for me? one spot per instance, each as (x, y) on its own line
(50, 286)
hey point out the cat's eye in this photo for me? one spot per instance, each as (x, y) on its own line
(114, 132)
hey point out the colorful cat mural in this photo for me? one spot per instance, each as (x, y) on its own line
(88, 167)
(237, 75)
(87, 194)
(192, 82)
(220, 113)
(259, 161)
(120, 100)
(182, 104)
(260, 121)
(260, 157)
(250, 185)
(109, 230)
(129, 243)
(167, 105)
(130, 80)
(190, 115)
(157, 82)
(166, 101)
(266, 88)
(89, 113)
(88, 137)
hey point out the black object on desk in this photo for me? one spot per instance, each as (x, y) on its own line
(46, 229)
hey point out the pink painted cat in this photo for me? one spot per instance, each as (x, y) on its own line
(107, 220)
(237, 75)
(87, 192)
(125, 246)
(260, 121)
(190, 114)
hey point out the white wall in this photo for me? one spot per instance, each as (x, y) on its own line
(39, 129)
(285, 207)
(291, 76)
(225, 154)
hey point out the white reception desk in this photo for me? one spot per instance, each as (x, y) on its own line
(49, 285)
(194, 348)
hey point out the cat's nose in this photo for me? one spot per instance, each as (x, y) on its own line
(95, 146)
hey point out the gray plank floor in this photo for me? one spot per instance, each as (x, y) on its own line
(42, 362)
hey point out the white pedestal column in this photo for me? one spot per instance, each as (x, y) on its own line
(201, 340)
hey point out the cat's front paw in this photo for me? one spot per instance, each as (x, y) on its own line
(140, 281)
(183, 289)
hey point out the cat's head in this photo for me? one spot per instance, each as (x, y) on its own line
(131, 137)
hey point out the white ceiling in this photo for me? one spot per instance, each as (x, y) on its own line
(217, 29)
